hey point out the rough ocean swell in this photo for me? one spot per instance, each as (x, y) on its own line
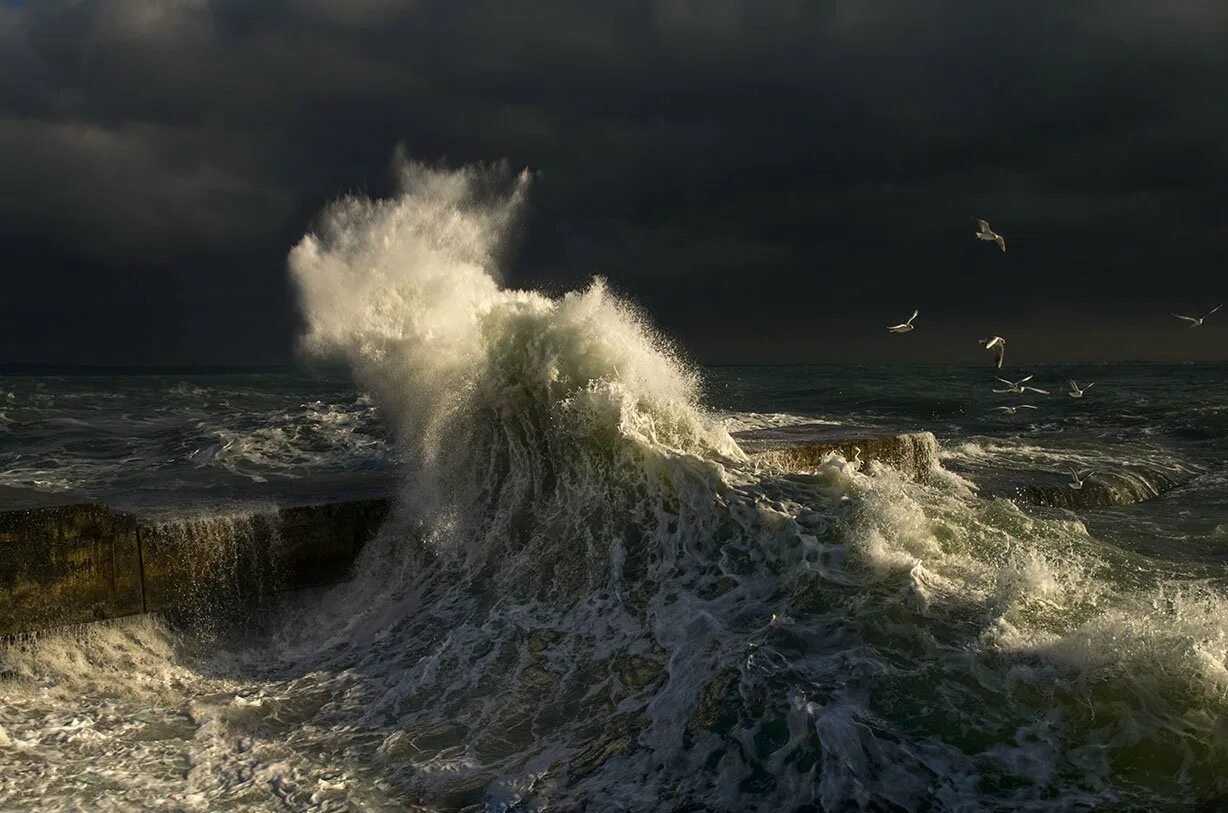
(589, 598)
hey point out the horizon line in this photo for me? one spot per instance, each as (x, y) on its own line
(63, 368)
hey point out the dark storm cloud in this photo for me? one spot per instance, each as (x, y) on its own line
(767, 178)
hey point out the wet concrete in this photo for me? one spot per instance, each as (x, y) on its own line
(914, 454)
(64, 562)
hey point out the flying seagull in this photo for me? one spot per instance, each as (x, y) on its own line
(905, 326)
(1076, 391)
(1018, 386)
(1198, 322)
(1010, 410)
(1077, 478)
(999, 343)
(986, 233)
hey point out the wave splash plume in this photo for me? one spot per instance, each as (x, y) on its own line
(521, 416)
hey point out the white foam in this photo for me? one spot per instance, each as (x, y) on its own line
(316, 437)
(749, 421)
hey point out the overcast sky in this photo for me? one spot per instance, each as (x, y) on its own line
(771, 180)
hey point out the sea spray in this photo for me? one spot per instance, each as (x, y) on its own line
(212, 570)
(514, 410)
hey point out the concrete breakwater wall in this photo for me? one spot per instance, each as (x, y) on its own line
(1121, 487)
(914, 454)
(65, 562)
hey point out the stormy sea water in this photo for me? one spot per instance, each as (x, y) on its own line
(590, 597)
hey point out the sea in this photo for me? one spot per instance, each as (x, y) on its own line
(589, 596)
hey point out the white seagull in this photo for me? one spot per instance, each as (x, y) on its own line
(1017, 386)
(1010, 410)
(999, 343)
(1076, 391)
(905, 326)
(1198, 322)
(1077, 478)
(986, 233)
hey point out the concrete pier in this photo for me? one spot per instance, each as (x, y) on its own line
(64, 561)
(914, 454)
(1101, 491)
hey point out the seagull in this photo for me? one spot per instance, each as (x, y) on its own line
(906, 326)
(1198, 322)
(987, 233)
(1076, 479)
(1010, 410)
(1076, 391)
(1000, 344)
(1017, 386)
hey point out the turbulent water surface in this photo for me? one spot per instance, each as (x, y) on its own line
(589, 597)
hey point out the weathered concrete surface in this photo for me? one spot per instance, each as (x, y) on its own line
(66, 564)
(1101, 490)
(199, 562)
(914, 454)
(1116, 483)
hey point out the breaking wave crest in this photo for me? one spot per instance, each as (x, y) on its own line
(522, 417)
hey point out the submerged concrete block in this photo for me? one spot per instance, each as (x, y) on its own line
(1102, 490)
(913, 454)
(66, 564)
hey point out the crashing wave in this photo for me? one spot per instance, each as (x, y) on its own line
(608, 564)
